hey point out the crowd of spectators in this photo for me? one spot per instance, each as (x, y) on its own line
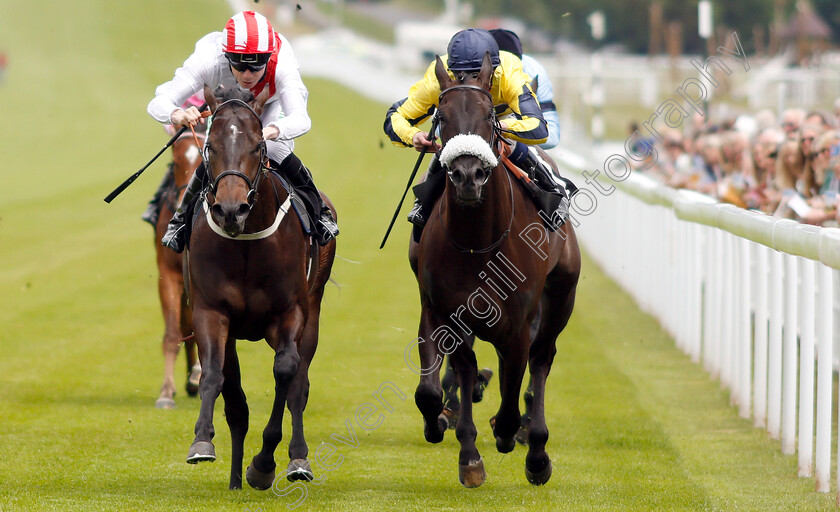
(788, 167)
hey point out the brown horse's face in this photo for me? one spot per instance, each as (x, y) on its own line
(465, 108)
(235, 149)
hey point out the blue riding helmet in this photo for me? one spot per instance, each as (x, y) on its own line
(467, 48)
(508, 41)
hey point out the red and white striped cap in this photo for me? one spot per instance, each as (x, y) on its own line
(248, 32)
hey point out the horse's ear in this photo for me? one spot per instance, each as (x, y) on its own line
(210, 98)
(486, 71)
(259, 102)
(441, 74)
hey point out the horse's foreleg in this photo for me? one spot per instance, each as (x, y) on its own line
(299, 467)
(236, 412)
(470, 466)
(283, 339)
(537, 462)
(190, 348)
(211, 330)
(511, 370)
(169, 289)
(429, 396)
(559, 300)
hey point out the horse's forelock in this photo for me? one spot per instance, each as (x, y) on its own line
(224, 94)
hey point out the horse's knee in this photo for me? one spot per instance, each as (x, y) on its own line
(429, 399)
(171, 343)
(212, 380)
(286, 365)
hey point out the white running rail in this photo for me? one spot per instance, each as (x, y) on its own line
(751, 297)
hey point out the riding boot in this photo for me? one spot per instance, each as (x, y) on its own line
(426, 193)
(153, 209)
(554, 200)
(325, 227)
(176, 231)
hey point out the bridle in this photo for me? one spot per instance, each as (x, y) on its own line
(254, 184)
(495, 135)
(495, 121)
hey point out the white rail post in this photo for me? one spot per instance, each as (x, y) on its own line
(744, 334)
(697, 293)
(774, 352)
(806, 371)
(760, 375)
(709, 289)
(727, 305)
(789, 379)
(825, 377)
(718, 304)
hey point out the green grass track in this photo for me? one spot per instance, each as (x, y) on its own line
(634, 425)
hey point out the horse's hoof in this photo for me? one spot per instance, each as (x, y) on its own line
(259, 480)
(164, 403)
(201, 451)
(299, 469)
(451, 418)
(522, 436)
(539, 477)
(432, 435)
(472, 474)
(505, 444)
(192, 381)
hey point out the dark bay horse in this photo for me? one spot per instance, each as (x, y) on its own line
(253, 274)
(487, 267)
(186, 156)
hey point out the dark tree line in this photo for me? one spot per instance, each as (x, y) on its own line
(629, 22)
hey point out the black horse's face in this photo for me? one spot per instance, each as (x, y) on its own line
(235, 153)
(467, 119)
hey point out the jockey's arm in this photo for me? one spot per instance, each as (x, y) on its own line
(189, 79)
(287, 118)
(542, 86)
(527, 123)
(403, 117)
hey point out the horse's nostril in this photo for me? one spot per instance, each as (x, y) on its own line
(480, 176)
(243, 209)
(217, 211)
(457, 176)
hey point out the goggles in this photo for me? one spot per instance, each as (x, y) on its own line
(252, 62)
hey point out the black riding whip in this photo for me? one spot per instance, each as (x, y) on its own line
(408, 186)
(117, 191)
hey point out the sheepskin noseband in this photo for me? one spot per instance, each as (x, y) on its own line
(468, 144)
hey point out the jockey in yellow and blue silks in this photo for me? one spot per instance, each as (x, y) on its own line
(512, 95)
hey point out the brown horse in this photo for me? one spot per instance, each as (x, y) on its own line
(487, 268)
(253, 274)
(173, 299)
